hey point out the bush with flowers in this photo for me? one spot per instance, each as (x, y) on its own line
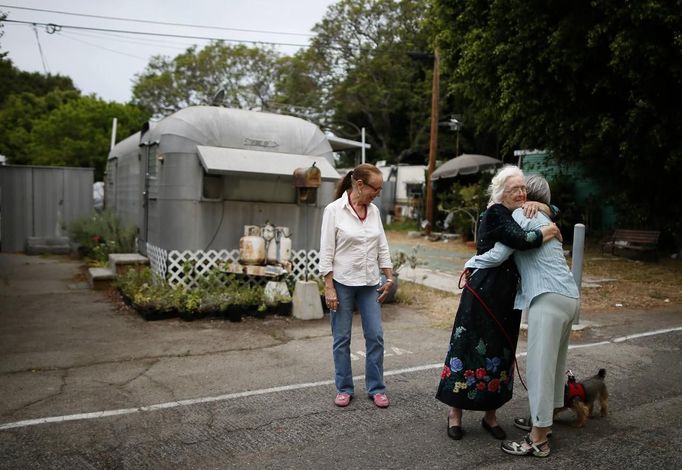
(100, 234)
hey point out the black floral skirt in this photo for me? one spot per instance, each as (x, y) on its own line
(478, 373)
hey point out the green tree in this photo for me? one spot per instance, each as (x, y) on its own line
(14, 81)
(591, 81)
(246, 74)
(357, 73)
(17, 118)
(78, 133)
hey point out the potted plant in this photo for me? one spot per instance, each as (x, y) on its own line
(400, 259)
(284, 304)
(148, 294)
(245, 300)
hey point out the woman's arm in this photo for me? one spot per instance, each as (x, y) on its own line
(327, 242)
(504, 229)
(327, 251)
(492, 258)
(385, 264)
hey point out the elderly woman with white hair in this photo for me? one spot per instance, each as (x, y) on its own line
(479, 366)
(551, 296)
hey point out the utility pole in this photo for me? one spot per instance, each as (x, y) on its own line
(433, 144)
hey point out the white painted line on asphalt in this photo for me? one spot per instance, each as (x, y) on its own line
(642, 335)
(264, 391)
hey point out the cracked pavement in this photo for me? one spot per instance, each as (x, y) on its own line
(197, 394)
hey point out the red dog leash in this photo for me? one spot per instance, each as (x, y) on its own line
(492, 315)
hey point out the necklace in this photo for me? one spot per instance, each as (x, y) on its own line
(352, 206)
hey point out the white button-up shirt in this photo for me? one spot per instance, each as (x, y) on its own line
(353, 250)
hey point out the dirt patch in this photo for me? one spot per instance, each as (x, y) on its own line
(618, 283)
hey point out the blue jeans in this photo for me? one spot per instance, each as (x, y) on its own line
(365, 298)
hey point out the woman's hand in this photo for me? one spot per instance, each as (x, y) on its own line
(551, 231)
(330, 297)
(531, 208)
(384, 289)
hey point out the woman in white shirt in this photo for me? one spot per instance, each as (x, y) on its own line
(353, 250)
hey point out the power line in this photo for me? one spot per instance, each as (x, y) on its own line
(134, 20)
(68, 36)
(53, 27)
(40, 48)
(121, 38)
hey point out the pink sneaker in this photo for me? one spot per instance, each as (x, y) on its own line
(342, 399)
(380, 400)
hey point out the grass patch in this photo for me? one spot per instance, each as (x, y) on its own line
(438, 305)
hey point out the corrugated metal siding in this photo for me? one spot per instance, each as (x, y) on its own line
(40, 201)
(17, 201)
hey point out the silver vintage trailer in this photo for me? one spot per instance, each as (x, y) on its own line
(191, 181)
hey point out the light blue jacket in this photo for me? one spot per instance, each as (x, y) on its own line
(542, 270)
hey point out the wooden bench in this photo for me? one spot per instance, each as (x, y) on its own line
(641, 241)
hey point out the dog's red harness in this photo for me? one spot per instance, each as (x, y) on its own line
(573, 390)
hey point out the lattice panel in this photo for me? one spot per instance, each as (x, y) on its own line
(186, 267)
(158, 260)
(301, 262)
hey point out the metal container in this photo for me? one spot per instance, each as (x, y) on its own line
(310, 177)
(252, 246)
(279, 250)
(306, 181)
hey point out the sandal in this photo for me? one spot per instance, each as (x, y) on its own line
(526, 424)
(523, 423)
(526, 447)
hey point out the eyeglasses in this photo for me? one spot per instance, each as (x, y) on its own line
(516, 190)
(376, 190)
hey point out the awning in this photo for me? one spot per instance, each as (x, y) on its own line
(219, 160)
(338, 144)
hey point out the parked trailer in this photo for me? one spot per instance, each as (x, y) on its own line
(194, 179)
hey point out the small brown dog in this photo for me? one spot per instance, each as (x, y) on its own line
(580, 397)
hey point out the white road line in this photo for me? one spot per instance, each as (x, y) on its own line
(264, 391)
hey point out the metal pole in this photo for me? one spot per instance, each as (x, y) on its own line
(363, 145)
(433, 145)
(578, 256)
(113, 134)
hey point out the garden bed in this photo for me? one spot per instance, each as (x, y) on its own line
(154, 299)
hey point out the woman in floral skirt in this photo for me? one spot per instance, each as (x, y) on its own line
(479, 367)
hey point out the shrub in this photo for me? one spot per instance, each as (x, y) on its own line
(101, 234)
(147, 290)
(217, 292)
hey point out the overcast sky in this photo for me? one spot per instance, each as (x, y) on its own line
(105, 63)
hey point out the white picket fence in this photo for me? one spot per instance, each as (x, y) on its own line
(187, 267)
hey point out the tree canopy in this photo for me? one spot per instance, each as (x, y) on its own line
(590, 80)
(368, 78)
(44, 120)
(246, 74)
(14, 81)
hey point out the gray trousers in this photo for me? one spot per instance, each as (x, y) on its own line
(550, 317)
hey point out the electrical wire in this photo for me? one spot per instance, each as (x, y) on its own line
(53, 28)
(134, 20)
(146, 42)
(69, 37)
(40, 48)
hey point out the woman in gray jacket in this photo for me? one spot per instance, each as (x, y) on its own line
(551, 296)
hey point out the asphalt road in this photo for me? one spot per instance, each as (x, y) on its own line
(84, 384)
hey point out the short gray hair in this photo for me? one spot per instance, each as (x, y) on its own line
(538, 189)
(496, 187)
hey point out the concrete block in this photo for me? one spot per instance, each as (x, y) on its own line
(47, 245)
(121, 262)
(307, 303)
(100, 278)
